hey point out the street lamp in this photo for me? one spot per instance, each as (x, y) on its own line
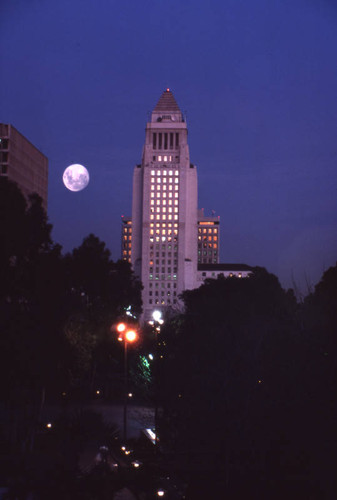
(126, 335)
(157, 322)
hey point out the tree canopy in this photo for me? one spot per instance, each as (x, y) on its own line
(239, 375)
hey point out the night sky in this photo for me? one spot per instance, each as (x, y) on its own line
(257, 80)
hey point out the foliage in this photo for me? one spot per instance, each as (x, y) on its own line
(228, 368)
(55, 311)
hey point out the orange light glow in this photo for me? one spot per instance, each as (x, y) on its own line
(121, 327)
(130, 336)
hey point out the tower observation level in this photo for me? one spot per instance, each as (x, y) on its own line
(164, 254)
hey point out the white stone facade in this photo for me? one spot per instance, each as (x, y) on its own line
(164, 210)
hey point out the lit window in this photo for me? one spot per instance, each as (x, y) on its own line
(152, 188)
(176, 172)
(170, 209)
(170, 202)
(164, 217)
(158, 202)
(176, 187)
(153, 172)
(170, 179)
(152, 194)
(164, 172)
(176, 194)
(165, 157)
(170, 172)
(158, 172)
(176, 202)
(152, 202)
(158, 195)
(170, 217)
(170, 195)
(176, 180)
(151, 217)
(176, 217)
(164, 181)
(159, 158)
(158, 180)
(170, 188)
(152, 179)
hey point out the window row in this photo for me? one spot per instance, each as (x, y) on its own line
(164, 231)
(209, 245)
(163, 202)
(163, 217)
(168, 270)
(163, 239)
(163, 285)
(163, 194)
(164, 224)
(211, 230)
(162, 293)
(163, 247)
(165, 140)
(164, 209)
(162, 276)
(164, 187)
(166, 158)
(164, 255)
(175, 262)
(170, 180)
(164, 172)
(207, 238)
(162, 302)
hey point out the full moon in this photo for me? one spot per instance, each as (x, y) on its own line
(75, 177)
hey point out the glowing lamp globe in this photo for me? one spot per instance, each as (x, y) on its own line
(130, 336)
(156, 315)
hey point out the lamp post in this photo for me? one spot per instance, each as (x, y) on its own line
(157, 322)
(126, 335)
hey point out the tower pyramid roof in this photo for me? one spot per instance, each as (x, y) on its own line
(166, 102)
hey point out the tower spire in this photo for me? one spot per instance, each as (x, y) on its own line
(167, 102)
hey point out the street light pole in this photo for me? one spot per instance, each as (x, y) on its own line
(157, 322)
(125, 390)
(127, 336)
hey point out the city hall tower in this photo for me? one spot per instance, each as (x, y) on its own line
(164, 253)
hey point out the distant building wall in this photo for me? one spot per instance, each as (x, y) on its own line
(213, 271)
(208, 238)
(23, 163)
